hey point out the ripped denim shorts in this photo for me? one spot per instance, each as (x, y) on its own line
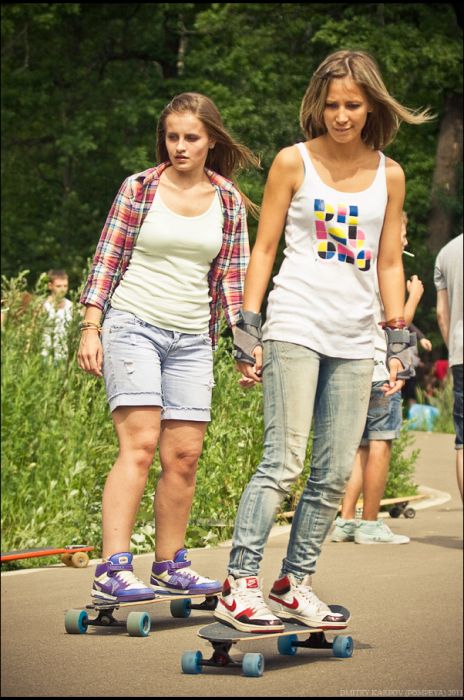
(384, 415)
(148, 366)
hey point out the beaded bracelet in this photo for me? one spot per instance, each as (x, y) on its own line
(393, 323)
(89, 325)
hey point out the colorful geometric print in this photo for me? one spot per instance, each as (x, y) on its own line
(347, 241)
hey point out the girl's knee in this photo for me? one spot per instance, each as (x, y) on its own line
(182, 463)
(140, 457)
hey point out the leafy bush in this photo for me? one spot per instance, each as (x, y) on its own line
(58, 443)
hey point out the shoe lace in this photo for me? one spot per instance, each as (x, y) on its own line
(309, 595)
(383, 527)
(253, 598)
(130, 578)
(190, 573)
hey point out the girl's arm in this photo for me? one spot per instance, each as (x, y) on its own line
(284, 175)
(390, 263)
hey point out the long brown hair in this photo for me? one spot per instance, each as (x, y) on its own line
(387, 113)
(227, 157)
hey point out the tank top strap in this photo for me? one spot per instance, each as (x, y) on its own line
(309, 167)
(381, 161)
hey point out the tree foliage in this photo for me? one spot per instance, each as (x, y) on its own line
(83, 85)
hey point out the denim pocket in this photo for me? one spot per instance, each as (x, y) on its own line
(116, 321)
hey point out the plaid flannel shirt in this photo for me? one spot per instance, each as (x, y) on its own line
(129, 209)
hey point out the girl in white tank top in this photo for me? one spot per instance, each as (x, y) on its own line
(339, 201)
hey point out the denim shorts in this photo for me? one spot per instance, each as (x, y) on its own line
(457, 407)
(384, 415)
(148, 366)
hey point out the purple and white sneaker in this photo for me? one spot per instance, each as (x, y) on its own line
(176, 577)
(115, 581)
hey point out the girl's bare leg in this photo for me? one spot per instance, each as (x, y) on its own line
(138, 431)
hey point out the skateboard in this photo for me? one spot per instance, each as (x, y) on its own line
(222, 638)
(72, 555)
(138, 624)
(400, 506)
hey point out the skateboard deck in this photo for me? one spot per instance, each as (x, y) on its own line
(71, 555)
(400, 506)
(222, 638)
(138, 624)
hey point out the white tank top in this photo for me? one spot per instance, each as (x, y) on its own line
(323, 296)
(166, 282)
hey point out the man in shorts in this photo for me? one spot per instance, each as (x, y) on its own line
(383, 425)
(447, 276)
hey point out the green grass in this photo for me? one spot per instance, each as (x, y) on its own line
(58, 445)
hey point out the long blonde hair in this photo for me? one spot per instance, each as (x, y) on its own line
(227, 157)
(387, 113)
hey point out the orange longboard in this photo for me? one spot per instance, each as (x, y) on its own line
(72, 555)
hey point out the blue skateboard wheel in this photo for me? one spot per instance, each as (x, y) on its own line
(342, 647)
(191, 662)
(286, 646)
(76, 621)
(253, 665)
(181, 608)
(138, 624)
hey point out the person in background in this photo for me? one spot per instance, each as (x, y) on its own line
(59, 310)
(383, 425)
(172, 253)
(448, 274)
(408, 392)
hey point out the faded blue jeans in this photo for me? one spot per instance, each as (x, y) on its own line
(297, 383)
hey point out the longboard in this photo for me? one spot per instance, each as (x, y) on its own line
(400, 506)
(222, 638)
(71, 555)
(138, 624)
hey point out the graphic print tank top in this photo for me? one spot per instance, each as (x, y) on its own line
(323, 295)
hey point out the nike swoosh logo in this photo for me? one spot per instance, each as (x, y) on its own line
(230, 608)
(293, 605)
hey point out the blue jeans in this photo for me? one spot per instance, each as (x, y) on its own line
(298, 381)
(457, 405)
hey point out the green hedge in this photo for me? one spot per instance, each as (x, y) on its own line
(58, 444)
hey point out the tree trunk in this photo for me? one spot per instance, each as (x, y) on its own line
(445, 176)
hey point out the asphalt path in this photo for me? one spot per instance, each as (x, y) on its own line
(406, 605)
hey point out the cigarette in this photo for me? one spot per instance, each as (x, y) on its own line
(406, 252)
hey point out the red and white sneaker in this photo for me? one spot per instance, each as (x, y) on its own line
(297, 602)
(241, 605)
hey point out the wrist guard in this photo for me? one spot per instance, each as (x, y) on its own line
(247, 336)
(399, 344)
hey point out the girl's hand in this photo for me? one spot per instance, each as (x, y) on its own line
(90, 353)
(252, 372)
(415, 287)
(425, 344)
(394, 385)
(246, 383)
